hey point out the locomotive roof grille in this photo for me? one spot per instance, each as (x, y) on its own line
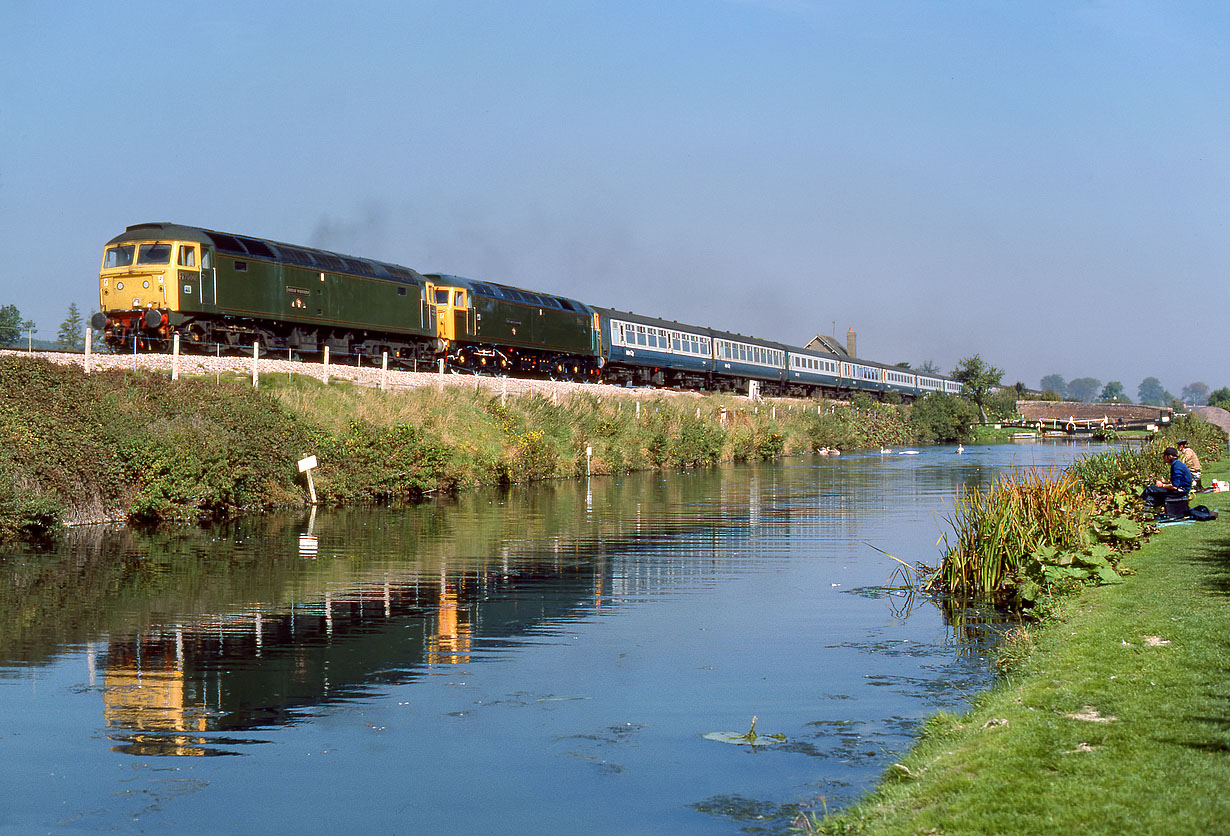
(257, 248)
(512, 294)
(227, 244)
(399, 272)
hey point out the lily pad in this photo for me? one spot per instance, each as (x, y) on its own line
(747, 738)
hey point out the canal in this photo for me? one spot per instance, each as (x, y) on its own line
(544, 660)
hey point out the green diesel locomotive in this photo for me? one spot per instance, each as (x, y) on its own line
(220, 291)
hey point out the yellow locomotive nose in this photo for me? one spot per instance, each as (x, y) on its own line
(137, 287)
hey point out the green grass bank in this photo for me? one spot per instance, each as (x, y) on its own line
(129, 445)
(1113, 715)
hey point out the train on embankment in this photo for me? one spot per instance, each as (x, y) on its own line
(224, 292)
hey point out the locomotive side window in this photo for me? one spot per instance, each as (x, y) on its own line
(154, 254)
(119, 256)
(187, 256)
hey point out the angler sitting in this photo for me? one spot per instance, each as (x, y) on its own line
(1189, 458)
(1179, 485)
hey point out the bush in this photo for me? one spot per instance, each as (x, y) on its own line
(943, 418)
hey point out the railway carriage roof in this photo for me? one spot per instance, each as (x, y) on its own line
(264, 248)
(628, 316)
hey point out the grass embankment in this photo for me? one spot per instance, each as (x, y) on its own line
(1112, 716)
(138, 446)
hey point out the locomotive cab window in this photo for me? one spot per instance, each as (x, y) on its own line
(154, 254)
(118, 256)
(187, 256)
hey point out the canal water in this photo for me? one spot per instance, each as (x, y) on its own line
(546, 660)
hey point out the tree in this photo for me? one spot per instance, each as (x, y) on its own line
(71, 329)
(10, 324)
(1055, 383)
(927, 367)
(1220, 397)
(1152, 392)
(1196, 393)
(30, 328)
(943, 418)
(1112, 392)
(1083, 389)
(977, 379)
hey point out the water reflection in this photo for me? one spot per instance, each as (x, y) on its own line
(623, 616)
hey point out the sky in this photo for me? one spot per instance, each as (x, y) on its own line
(1044, 184)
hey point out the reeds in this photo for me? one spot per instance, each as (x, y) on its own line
(997, 527)
(1122, 470)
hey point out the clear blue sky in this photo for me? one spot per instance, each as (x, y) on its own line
(1046, 184)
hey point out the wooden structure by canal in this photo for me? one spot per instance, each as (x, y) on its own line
(1074, 418)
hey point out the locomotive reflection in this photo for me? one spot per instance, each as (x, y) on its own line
(214, 645)
(239, 672)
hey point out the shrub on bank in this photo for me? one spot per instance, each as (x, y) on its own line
(1126, 470)
(943, 418)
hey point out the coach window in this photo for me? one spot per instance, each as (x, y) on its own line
(187, 255)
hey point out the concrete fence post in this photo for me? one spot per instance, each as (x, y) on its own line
(256, 353)
(325, 371)
(89, 339)
(175, 357)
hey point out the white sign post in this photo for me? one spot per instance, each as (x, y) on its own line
(305, 466)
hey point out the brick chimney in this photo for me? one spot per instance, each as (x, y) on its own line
(850, 343)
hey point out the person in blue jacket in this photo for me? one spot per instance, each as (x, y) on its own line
(1179, 485)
